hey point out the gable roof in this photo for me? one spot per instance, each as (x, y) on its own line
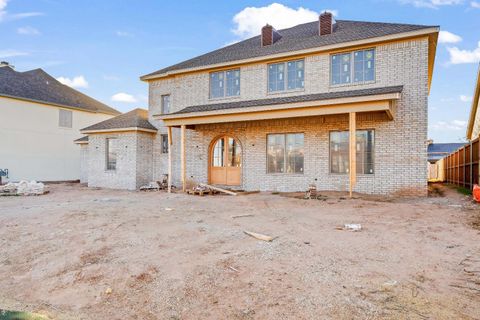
(136, 119)
(437, 151)
(290, 99)
(300, 37)
(38, 86)
(82, 140)
(474, 108)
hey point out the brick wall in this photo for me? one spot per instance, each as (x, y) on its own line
(400, 145)
(83, 163)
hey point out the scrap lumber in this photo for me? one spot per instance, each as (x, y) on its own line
(259, 236)
(242, 216)
(219, 189)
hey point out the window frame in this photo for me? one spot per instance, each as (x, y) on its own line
(163, 140)
(162, 103)
(107, 154)
(352, 67)
(285, 77)
(346, 173)
(285, 158)
(224, 80)
(70, 112)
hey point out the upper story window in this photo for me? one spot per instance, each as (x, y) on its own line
(64, 118)
(286, 76)
(225, 83)
(165, 104)
(357, 66)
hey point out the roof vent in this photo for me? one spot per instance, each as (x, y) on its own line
(325, 25)
(5, 64)
(269, 35)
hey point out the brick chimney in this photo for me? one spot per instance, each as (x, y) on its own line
(269, 35)
(326, 24)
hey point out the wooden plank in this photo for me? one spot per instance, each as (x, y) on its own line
(218, 189)
(169, 159)
(353, 151)
(259, 236)
(182, 158)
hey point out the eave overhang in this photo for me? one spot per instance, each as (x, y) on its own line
(372, 103)
(129, 129)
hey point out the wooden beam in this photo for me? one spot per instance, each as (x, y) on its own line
(169, 159)
(353, 150)
(183, 159)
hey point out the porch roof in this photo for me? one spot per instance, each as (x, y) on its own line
(340, 102)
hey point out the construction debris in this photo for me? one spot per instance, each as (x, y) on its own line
(243, 216)
(311, 192)
(259, 236)
(218, 189)
(350, 226)
(201, 190)
(23, 188)
(152, 186)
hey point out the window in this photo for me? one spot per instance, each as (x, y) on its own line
(65, 118)
(339, 151)
(359, 65)
(285, 153)
(225, 83)
(164, 141)
(165, 104)
(293, 71)
(111, 153)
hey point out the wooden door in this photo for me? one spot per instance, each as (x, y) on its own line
(226, 162)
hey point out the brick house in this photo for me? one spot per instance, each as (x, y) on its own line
(274, 112)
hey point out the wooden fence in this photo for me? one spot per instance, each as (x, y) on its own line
(461, 166)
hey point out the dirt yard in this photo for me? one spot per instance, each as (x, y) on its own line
(79, 253)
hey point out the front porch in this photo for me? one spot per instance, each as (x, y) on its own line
(231, 147)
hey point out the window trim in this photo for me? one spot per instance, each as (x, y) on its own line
(346, 173)
(286, 90)
(224, 84)
(352, 68)
(107, 151)
(162, 109)
(284, 154)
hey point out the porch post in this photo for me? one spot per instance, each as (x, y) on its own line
(183, 160)
(169, 159)
(353, 151)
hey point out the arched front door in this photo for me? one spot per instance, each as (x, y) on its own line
(226, 162)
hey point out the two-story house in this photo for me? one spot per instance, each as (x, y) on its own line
(277, 112)
(39, 118)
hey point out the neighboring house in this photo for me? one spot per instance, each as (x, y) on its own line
(39, 118)
(274, 112)
(473, 128)
(436, 152)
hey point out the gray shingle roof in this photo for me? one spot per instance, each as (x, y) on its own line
(137, 118)
(81, 140)
(38, 86)
(437, 151)
(300, 37)
(292, 99)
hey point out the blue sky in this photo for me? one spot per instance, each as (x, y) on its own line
(102, 47)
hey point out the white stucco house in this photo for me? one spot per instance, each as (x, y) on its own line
(39, 118)
(340, 104)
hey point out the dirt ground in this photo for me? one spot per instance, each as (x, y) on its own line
(79, 253)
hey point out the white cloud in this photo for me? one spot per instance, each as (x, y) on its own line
(465, 98)
(124, 34)
(475, 4)
(454, 125)
(433, 4)
(124, 97)
(458, 56)
(448, 37)
(250, 20)
(9, 53)
(28, 31)
(4, 15)
(76, 82)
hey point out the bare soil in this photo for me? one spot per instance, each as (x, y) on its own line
(79, 253)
